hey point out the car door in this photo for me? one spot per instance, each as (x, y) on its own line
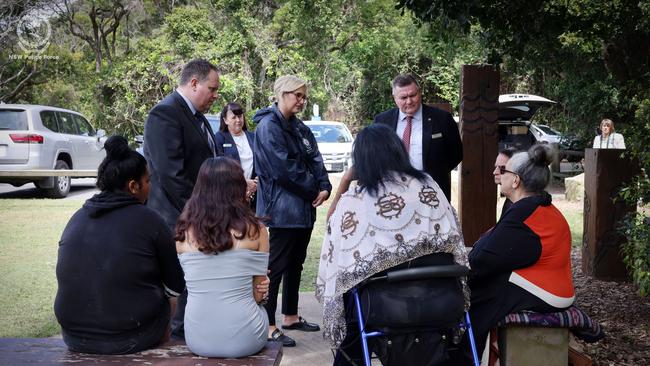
(92, 146)
(68, 127)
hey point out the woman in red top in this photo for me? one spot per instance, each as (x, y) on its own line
(524, 262)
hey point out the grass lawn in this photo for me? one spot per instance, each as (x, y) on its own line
(30, 230)
(29, 233)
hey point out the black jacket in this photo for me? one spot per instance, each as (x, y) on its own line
(116, 259)
(226, 144)
(289, 168)
(175, 147)
(441, 144)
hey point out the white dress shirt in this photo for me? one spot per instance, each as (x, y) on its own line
(415, 146)
(245, 154)
(613, 141)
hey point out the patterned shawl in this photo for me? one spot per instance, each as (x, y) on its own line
(368, 234)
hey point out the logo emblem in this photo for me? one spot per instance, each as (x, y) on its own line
(33, 34)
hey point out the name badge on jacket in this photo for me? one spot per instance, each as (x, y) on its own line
(227, 145)
(436, 135)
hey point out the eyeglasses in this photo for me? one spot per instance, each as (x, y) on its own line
(299, 96)
(503, 170)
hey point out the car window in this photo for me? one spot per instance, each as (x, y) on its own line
(48, 118)
(66, 124)
(85, 129)
(330, 133)
(13, 119)
(549, 130)
(214, 123)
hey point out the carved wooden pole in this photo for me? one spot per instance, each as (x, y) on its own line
(606, 171)
(479, 107)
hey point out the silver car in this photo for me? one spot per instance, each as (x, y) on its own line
(35, 137)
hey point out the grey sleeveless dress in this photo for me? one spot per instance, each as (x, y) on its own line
(222, 318)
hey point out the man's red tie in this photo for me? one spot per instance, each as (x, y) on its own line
(406, 137)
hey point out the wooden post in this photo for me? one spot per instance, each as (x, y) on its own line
(606, 171)
(479, 107)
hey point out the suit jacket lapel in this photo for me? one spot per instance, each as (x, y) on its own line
(193, 120)
(394, 119)
(250, 137)
(231, 141)
(251, 141)
(427, 131)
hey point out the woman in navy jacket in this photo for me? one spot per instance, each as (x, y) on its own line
(292, 183)
(237, 143)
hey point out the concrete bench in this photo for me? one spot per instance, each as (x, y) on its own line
(52, 351)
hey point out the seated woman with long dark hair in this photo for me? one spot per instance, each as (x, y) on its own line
(524, 262)
(117, 264)
(223, 249)
(396, 215)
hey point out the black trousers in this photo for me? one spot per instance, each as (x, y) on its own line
(288, 250)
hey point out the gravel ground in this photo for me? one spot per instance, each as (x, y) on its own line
(624, 315)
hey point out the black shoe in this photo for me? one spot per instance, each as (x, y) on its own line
(278, 336)
(303, 325)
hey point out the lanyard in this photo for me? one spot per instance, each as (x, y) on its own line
(601, 141)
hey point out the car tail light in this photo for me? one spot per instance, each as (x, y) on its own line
(26, 138)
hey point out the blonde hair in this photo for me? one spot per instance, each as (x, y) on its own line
(610, 123)
(288, 83)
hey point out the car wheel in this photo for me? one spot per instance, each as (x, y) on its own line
(61, 183)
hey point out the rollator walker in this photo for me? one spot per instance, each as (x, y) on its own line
(414, 313)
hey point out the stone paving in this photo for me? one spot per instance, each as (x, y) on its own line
(311, 349)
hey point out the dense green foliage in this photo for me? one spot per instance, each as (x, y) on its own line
(591, 56)
(349, 52)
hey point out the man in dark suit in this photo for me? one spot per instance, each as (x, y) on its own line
(429, 134)
(177, 139)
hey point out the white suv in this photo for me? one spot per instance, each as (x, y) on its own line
(334, 142)
(34, 137)
(545, 134)
(515, 114)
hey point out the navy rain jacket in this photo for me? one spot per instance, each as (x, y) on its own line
(289, 168)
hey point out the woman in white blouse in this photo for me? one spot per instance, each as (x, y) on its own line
(608, 139)
(236, 142)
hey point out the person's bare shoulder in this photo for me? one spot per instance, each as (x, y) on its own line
(184, 247)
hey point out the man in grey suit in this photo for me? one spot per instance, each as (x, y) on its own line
(429, 134)
(177, 140)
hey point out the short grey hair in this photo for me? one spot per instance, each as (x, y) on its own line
(532, 167)
(403, 80)
(286, 84)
